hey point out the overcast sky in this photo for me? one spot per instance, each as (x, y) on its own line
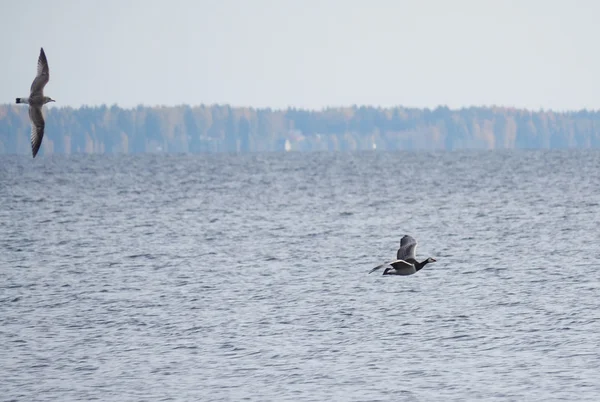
(306, 53)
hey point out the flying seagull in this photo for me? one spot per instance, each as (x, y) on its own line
(36, 100)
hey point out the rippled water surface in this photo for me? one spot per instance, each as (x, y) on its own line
(244, 277)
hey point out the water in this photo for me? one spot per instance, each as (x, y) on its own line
(244, 277)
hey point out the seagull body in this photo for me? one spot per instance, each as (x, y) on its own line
(36, 100)
(406, 262)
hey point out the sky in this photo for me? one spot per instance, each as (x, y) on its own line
(312, 54)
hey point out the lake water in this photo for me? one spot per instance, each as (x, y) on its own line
(244, 277)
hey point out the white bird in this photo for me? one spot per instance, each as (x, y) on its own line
(406, 262)
(36, 100)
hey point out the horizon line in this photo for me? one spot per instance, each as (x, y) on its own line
(323, 108)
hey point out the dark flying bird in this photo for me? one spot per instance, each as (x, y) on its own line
(406, 262)
(36, 100)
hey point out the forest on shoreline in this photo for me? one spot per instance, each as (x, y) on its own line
(222, 128)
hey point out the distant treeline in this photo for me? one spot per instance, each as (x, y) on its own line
(221, 128)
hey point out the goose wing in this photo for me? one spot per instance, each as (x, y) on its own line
(397, 264)
(37, 128)
(408, 248)
(43, 75)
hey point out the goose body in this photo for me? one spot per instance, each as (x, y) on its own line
(406, 262)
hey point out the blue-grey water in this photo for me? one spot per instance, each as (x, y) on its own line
(244, 277)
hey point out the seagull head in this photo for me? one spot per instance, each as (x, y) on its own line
(48, 99)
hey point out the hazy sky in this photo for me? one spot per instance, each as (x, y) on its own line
(306, 53)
